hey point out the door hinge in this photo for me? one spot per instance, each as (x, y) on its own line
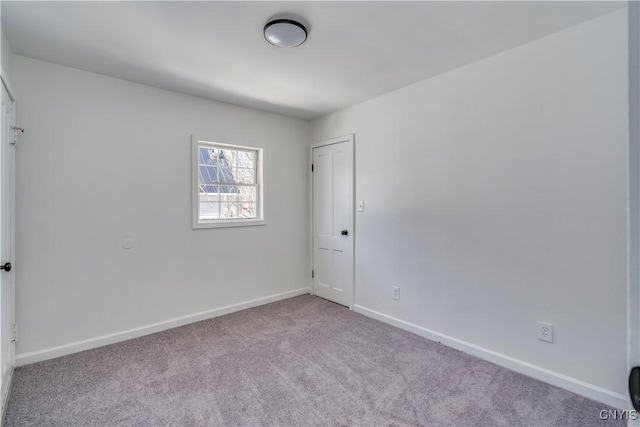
(312, 274)
(14, 332)
(311, 167)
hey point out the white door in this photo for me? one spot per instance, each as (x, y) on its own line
(333, 220)
(7, 304)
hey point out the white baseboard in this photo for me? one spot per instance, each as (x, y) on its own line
(574, 385)
(63, 350)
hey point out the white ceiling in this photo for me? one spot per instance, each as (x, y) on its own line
(216, 50)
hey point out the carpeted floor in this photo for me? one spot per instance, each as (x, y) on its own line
(302, 361)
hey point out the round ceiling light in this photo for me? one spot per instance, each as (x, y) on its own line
(285, 33)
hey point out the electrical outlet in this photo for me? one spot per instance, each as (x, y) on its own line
(396, 292)
(545, 331)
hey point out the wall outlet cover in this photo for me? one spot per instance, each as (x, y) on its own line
(545, 331)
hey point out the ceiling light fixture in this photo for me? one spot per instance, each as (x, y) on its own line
(285, 33)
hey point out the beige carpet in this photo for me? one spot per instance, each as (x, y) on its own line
(302, 361)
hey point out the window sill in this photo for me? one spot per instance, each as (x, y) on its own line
(228, 224)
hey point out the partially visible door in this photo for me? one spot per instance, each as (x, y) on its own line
(7, 236)
(333, 220)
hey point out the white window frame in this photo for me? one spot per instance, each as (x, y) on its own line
(197, 223)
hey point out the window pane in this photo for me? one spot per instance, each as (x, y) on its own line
(247, 194)
(229, 197)
(208, 173)
(228, 210)
(227, 158)
(208, 156)
(247, 210)
(245, 160)
(209, 189)
(244, 176)
(224, 166)
(229, 189)
(225, 175)
(209, 210)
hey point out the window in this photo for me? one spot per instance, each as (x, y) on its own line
(227, 185)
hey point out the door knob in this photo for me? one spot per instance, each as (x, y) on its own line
(6, 266)
(344, 232)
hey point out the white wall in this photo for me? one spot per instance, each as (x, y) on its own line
(102, 160)
(7, 56)
(496, 196)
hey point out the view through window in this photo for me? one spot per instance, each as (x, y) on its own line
(228, 184)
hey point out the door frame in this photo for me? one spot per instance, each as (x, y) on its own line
(6, 388)
(633, 238)
(7, 85)
(345, 138)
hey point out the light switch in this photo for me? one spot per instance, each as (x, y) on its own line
(361, 206)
